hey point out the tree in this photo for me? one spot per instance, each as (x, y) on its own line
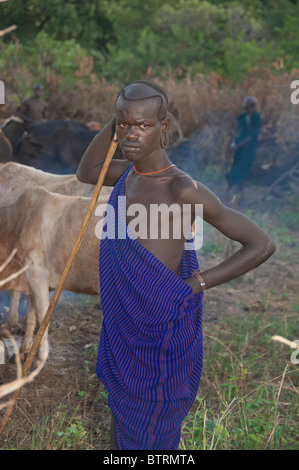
(73, 19)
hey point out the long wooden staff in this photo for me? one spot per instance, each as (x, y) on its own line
(45, 322)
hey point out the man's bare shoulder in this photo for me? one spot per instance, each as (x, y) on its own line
(188, 190)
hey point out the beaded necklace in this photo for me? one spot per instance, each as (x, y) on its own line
(153, 172)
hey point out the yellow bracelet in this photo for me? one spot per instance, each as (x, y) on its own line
(201, 281)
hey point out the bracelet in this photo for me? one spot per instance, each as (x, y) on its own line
(201, 281)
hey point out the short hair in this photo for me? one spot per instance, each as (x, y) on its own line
(161, 94)
(38, 85)
(249, 100)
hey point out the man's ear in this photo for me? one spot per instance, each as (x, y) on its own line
(166, 124)
(164, 139)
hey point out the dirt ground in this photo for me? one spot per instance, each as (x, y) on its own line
(68, 382)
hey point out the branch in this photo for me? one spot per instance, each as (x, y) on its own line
(7, 30)
(14, 275)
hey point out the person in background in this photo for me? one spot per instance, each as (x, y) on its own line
(34, 109)
(245, 145)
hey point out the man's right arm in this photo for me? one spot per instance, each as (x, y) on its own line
(23, 110)
(92, 161)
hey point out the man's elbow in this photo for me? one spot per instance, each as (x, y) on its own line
(266, 249)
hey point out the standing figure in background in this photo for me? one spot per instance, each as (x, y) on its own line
(245, 145)
(34, 109)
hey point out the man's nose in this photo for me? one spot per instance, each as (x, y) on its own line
(132, 133)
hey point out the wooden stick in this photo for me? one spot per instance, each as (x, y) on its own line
(13, 276)
(47, 317)
(7, 30)
(292, 344)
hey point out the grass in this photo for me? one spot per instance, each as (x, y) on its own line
(248, 398)
(58, 432)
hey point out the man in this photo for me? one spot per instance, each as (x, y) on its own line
(245, 145)
(34, 109)
(150, 352)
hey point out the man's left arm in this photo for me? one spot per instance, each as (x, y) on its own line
(257, 245)
(45, 111)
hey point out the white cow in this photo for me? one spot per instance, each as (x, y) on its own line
(43, 227)
(14, 179)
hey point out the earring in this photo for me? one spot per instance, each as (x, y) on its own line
(164, 140)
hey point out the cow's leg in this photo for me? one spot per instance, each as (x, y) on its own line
(37, 277)
(30, 323)
(41, 303)
(13, 314)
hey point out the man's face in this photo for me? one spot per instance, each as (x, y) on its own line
(38, 91)
(249, 107)
(138, 128)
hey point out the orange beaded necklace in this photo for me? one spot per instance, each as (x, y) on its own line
(153, 172)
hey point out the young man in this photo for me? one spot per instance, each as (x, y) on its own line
(34, 109)
(150, 352)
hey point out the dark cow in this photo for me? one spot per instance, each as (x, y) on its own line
(6, 151)
(14, 128)
(40, 129)
(58, 152)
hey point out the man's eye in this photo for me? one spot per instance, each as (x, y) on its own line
(122, 125)
(144, 126)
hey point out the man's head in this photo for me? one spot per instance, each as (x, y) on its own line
(249, 104)
(141, 90)
(38, 90)
(142, 123)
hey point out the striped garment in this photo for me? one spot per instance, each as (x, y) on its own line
(150, 351)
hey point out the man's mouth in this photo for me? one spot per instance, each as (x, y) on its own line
(130, 147)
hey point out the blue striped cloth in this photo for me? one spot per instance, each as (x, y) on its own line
(150, 350)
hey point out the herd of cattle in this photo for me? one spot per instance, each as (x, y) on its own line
(40, 216)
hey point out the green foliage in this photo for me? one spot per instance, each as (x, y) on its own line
(84, 22)
(39, 60)
(130, 39)
(58, 432)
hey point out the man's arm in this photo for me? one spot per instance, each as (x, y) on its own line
(243, 142)
(23, 110)
(45, 111)
(257, 245)
(92, 161)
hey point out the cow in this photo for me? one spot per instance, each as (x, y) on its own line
(14, 128)
(57, 152)
(6, 150)
(14, 179)
(43, 227)
(39, 129)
